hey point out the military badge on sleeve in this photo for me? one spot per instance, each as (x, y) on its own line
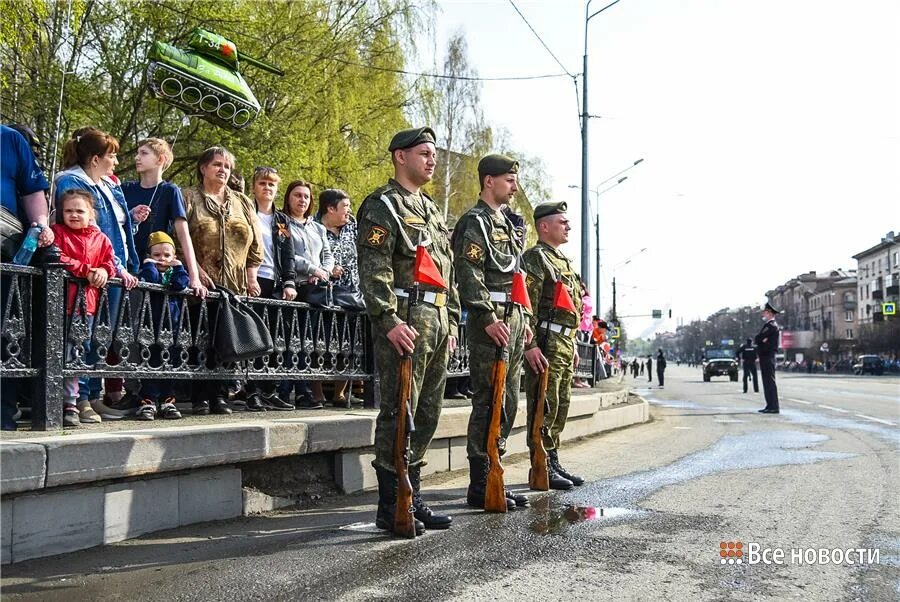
(473, 252)
(376, 236)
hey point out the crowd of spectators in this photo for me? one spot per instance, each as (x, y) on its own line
(208, 236)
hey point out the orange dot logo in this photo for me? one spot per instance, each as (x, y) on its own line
(731, 552)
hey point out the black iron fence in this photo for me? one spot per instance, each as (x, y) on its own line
(154, 333)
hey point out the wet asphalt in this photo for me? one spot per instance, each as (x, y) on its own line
(659, 501)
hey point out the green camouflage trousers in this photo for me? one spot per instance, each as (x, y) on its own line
(429, 374)
(482, 353)
(560, 353)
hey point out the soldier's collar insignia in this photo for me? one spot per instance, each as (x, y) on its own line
(376, 236)
(473, 252)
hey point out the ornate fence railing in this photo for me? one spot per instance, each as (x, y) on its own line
(151, 332)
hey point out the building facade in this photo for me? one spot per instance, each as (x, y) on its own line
(878, 278)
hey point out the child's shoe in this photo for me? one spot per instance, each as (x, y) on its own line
(168, 410)
(70, 416)
(146, 411)
(87, 415)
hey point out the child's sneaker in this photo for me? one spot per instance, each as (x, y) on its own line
(146, 411)
(70, 416)
(168, 410)
(87, 415)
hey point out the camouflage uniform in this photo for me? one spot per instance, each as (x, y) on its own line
(392, 221)
(543, 265)
(486, 249)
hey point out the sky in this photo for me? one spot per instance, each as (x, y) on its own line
(769, 129)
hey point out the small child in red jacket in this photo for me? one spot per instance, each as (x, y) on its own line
(89, 255)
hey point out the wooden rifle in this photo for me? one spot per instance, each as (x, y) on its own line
(404, 522)
(494, 492)
(538, 477)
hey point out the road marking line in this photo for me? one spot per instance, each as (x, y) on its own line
(887, 422)
(808, 403)
(682, 428)
(822, 405)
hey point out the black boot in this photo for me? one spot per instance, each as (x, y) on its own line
(556, 480)
(554, 463)
(387, 502)
(518, 499)
(478, 469)
(423, 512)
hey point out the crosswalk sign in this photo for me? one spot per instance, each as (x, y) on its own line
(613, 332)
(889, 308)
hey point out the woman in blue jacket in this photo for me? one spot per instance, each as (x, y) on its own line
(89, 158)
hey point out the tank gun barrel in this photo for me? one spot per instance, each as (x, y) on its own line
(260, 64)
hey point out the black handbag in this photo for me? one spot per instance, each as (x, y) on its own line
(317, 295)
(11, 234)
(348, 297)
(241, 334)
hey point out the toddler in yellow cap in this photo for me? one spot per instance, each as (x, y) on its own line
(161, 267)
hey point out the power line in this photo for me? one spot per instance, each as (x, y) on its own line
(547, 48)
(389, 69)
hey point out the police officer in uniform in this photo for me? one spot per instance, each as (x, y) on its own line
(747, 355)
(766, 347)
(544, 264)
(487, 250)
(392, 221)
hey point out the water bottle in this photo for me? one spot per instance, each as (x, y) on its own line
(29, 245)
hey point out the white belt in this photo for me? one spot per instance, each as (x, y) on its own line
(436, 299)
(563, 330)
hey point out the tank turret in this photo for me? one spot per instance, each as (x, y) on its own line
(204, 79)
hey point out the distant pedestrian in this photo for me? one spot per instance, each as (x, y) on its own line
(649, 368)
(747, 355)
(660, 368)
(642, 368)
(766, 347)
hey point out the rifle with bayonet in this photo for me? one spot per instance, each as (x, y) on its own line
(404, 523)
(494, 492)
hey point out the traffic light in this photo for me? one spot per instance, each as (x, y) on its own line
(670, 313)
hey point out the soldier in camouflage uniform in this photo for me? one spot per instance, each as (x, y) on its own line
(393, 220)
(487, 248)
(544, 264)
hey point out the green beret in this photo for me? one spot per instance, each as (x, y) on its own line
(496, 165)
(546, 209)
(410, 138)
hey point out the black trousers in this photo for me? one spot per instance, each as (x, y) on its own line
(767, 367)
(660, 375)
(750, 369)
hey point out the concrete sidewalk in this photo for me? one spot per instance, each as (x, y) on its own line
(121, 479)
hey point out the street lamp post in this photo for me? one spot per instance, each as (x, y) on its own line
(585, 117)
(586, 267)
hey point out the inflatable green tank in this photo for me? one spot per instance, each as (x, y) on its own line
(204, 80)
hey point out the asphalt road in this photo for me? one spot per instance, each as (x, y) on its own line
(649, 524)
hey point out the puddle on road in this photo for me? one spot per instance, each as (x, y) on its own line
(550, 518)
(675, 403)
(618, 496)
(828, 421)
